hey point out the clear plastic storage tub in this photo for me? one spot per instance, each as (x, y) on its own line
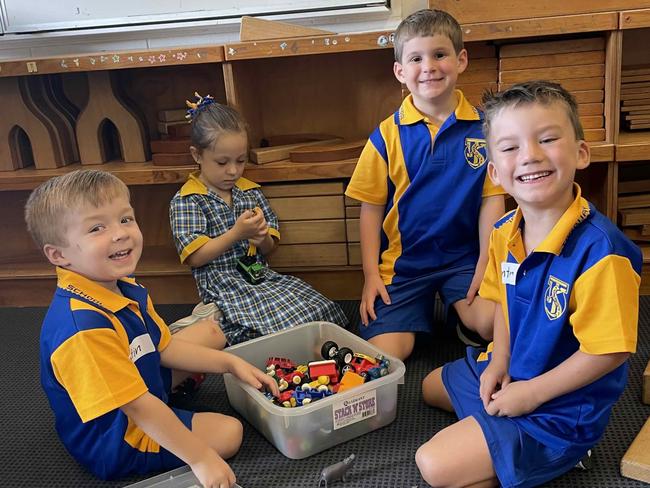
(306, 430)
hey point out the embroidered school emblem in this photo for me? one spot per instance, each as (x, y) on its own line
(555, 297)
(475, 152)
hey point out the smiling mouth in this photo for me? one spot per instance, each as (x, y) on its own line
(533, 176)
(120, 254)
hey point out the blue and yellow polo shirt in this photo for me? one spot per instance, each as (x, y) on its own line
(579, 290)
(431, 181)
(99, 351)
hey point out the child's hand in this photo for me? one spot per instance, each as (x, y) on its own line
(514, 399)
(250, 224)
(248, 373)
(372, 287)
(494, 377)
(213, 472)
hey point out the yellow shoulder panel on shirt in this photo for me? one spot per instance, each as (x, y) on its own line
(94, 368)
(246, 184)
(605, 318)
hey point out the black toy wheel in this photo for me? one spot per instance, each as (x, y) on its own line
(344, 356)
(329, 350)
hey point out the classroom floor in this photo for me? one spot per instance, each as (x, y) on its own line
(32, 456)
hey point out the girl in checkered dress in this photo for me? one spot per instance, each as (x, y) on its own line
(223, 227)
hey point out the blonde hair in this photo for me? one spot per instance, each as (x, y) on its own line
(427, 23)
(48, 205)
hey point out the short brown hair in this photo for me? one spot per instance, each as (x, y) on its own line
(535, 91)
(51, 201)
(212, 120)
(427, 23)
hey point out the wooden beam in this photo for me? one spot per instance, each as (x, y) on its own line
(636, 461)
(254, 29)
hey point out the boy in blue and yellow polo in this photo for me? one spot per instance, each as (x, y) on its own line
(427, 206)
(565, 281)
(107, 359)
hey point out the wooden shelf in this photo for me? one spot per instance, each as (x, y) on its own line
(633, 146)
(112, 60)
(634, 19)
(150, 174)
(601, 153)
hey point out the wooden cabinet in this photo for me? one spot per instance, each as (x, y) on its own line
(340, 85)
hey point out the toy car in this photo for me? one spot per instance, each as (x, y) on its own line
(282, 363)
(250, 269)
(324, 368)
(360, 364)
(330, 350)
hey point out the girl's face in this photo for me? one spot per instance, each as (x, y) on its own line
(222, 164)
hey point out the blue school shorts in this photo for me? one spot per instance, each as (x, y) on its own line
(519, 460)
(412, 301)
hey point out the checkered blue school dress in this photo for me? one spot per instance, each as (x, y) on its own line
(279, 301)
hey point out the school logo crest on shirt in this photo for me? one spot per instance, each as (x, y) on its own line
(555, 297)
(475, 152)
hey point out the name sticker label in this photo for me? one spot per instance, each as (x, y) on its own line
(509, 273)
(353, 410)
(141, 346)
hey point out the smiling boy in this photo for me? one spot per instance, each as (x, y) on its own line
(108, 361)
(427, 207)
(565, 281)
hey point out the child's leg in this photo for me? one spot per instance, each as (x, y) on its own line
(395, 344)
(221, 432)
(457, 456)
(434, 392)
(479, 316)
(205, 332)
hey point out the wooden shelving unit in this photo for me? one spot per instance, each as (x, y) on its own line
(340, 84)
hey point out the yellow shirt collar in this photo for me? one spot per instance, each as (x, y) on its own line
(554, 241)
(92, 291)
(408, 114)
(194, 185)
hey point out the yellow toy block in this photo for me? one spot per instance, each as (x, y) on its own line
(350, 380)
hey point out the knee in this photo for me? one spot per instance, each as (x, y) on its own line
(214, 337)
(428, 462)
(232, 436)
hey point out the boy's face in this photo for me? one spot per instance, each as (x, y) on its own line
(430, 68)
(534, 154)
(223, 163)
(104, 244)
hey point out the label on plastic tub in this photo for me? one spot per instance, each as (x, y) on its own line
(352, 410)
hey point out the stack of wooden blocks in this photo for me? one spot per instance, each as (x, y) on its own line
(173, 147)
(634, 212)
(635, 97)
(577, 64)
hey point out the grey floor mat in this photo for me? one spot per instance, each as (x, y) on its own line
(32, 456)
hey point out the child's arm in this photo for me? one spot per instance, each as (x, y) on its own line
(157, 420)
(246, 227)
(492, 209)
(496, 374)
(187, 356)
(580, 369)
(370, 221)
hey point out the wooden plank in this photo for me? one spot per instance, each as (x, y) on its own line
(590, 108)
(635, 216)
(638, 95)
(551, 48)
(645, 230)
(293, 255)
(592, 121)
(643, 100)
(594, 135)
(551, 60)
(303, 189)
(478, 77)
(636, 461)
(478, 50)
(638, 126)
(601, 152)
(312, 231)
(308, 208)
(634, 186)
(354, 254)
(351, 202)
(559, 73)
(331, 152)
(634, 201)
(173, 146)
(264, 155)
(284, 139)
(635, 108)
(633, 146)
(645, 396)
(639, 118)
(175, 115)
(480, 11)
(483, 64)
(352, 212)
(635, 78)
(634, 19)
(635, 69)
(635, 234)
(589, 96)
(633, 87)
(352, 229)
(172, 159)
(254, 29)
(112, 61)
(175, 129)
